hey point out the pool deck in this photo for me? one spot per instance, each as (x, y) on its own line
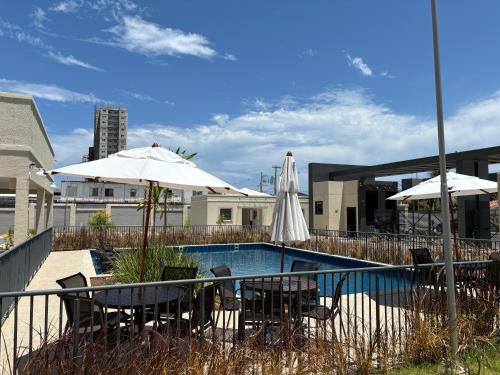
(58, 264)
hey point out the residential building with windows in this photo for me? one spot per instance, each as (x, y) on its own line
(255, 209)
(110, 132)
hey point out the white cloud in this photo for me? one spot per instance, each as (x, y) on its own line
(47, 92)
(359, 64)
(68, 6)
(308, 53)
(110, 9)
(386, 74)
(230, 57)
(146, 38)
(39, 17)
(71, 146)
(71, 60)
(16, 32)
(336, 126)
(145, 97)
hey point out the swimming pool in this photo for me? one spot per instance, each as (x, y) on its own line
(261, 258)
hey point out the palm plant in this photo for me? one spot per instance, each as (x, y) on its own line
(158, 193)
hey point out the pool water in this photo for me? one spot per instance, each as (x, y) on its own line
(259, 259)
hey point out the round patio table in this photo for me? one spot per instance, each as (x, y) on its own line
(137, 298)
(287, 284)
(290, 286)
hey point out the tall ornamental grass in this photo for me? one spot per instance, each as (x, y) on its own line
(128, 263)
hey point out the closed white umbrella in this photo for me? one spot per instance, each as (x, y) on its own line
(148, 166)
(459, 185)
(288, 224)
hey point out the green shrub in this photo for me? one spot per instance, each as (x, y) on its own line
(100, 218)
(128, 263)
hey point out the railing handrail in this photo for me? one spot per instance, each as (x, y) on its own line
(15, 248)
(226, 278)
(394, 236)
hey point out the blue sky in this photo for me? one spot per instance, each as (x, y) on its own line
(242, 82)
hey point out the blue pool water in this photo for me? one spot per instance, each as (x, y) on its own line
(259, 259)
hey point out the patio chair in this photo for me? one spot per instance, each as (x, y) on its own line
(229, 300)
(179, 273)
(424, 275)
(78, 280)
(323, 313)
(264, 312)
(302, 266)
(200, 318)
(492, 274)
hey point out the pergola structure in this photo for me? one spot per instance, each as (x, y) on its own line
(24, 148)
(473, 212)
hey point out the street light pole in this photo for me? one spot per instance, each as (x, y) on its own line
(276, 179)
(448, 255)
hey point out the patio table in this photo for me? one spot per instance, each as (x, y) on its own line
(292, 288)
(138, 298)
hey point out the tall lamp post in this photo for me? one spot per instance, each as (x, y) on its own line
(448, 255)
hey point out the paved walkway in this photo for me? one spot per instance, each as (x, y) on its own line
(58, 264)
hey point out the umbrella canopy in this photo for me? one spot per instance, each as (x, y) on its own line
(458, 185)
(140, 166)
(148, 166)
(288, 223)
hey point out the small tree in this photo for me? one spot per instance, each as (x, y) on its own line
(100, 219)
(99, 222)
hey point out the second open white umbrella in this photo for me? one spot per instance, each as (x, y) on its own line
(288, 224)
(459, 185)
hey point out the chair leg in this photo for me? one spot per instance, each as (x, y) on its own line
(229, 320)
(217, 319)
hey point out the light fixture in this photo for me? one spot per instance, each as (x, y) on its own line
(53, 185)
(41, 172)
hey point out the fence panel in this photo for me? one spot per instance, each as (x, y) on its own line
(19, 264)
(373, 311)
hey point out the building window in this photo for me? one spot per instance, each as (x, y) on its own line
(108, 192)
(318, 208)
(133, 193)
(71, 191)
(94, 192)
(226, 214)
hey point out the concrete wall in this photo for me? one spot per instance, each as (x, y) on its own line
(205, 209)
(336, 196)
(79, 214)
(25, 147)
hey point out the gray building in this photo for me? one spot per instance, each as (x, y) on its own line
(110, 132)
(349, 197)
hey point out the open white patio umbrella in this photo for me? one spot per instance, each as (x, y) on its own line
(459, 185)
(150, 166)
(288, 224)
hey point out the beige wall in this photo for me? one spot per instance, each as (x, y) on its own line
(336, 197)
(24, 142)
(205, 209)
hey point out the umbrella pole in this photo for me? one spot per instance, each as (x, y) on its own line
(282, 257)
(146, 229)
(454, 230)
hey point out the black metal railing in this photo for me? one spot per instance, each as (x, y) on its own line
(378, 247)
(370, 310)
(19, 264)
(393, 248)
(85, 237)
